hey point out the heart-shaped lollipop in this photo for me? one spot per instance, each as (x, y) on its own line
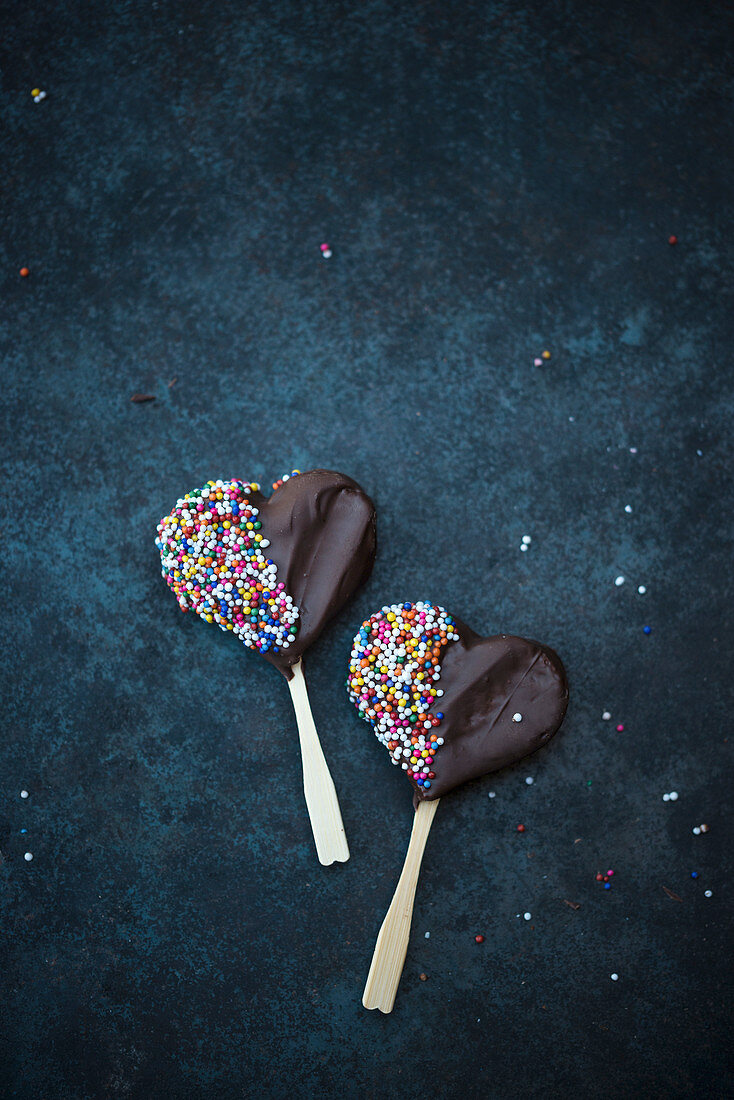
(273, 571)
(449, 706)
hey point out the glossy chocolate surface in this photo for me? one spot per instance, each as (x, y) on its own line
(321, 527)
(485, 682)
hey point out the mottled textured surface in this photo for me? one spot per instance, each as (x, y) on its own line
(494, 179)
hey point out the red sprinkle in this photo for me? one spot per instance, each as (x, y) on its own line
(521, 828)
(24, 272)
(479, 939)
(672, 239)
(599, 877)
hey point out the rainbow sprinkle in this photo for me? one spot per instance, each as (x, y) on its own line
(392, 681)
(211, 548)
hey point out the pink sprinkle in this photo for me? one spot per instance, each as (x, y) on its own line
(620, 728)
(610, 873)
(537, 362)
(324, 247)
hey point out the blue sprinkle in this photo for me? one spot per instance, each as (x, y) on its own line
(694, 874)
(439, 714)
(647, 630)
(607, 885)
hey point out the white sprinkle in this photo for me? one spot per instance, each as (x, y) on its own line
(428, 935)
(326, 253)
(633, 450)
(696, 830)
(666, 798)
(523, 547)
(24, 794)
(628, 508)
(614, 977)
(529, 780)
(492, 794)
(605, 715)
(517, 717)
(28, 856)
(708, 893)
(619, 580)
(527, 540)
(528, 916)
(673, 796)
(642, 590)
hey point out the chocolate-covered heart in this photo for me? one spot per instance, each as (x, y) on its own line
(449, 705)
(273, 570)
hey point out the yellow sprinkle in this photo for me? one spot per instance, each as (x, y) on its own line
(35, 91)
(546, 355)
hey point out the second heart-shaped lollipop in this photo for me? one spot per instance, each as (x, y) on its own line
(449, 706)
(273, 571)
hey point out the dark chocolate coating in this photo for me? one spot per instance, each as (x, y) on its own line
(485, 681)
(321, 527)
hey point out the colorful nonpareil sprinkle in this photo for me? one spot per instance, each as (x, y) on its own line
(213, 556)
(393, 676)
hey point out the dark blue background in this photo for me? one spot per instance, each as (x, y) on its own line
(494, 179)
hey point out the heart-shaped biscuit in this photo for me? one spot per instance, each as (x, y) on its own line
(273, 570)
(448, 705)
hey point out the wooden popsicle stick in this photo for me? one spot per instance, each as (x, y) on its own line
(321, 800)
(392, 942)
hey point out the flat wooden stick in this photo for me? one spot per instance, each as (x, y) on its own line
(392, 942)
(321, 800)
